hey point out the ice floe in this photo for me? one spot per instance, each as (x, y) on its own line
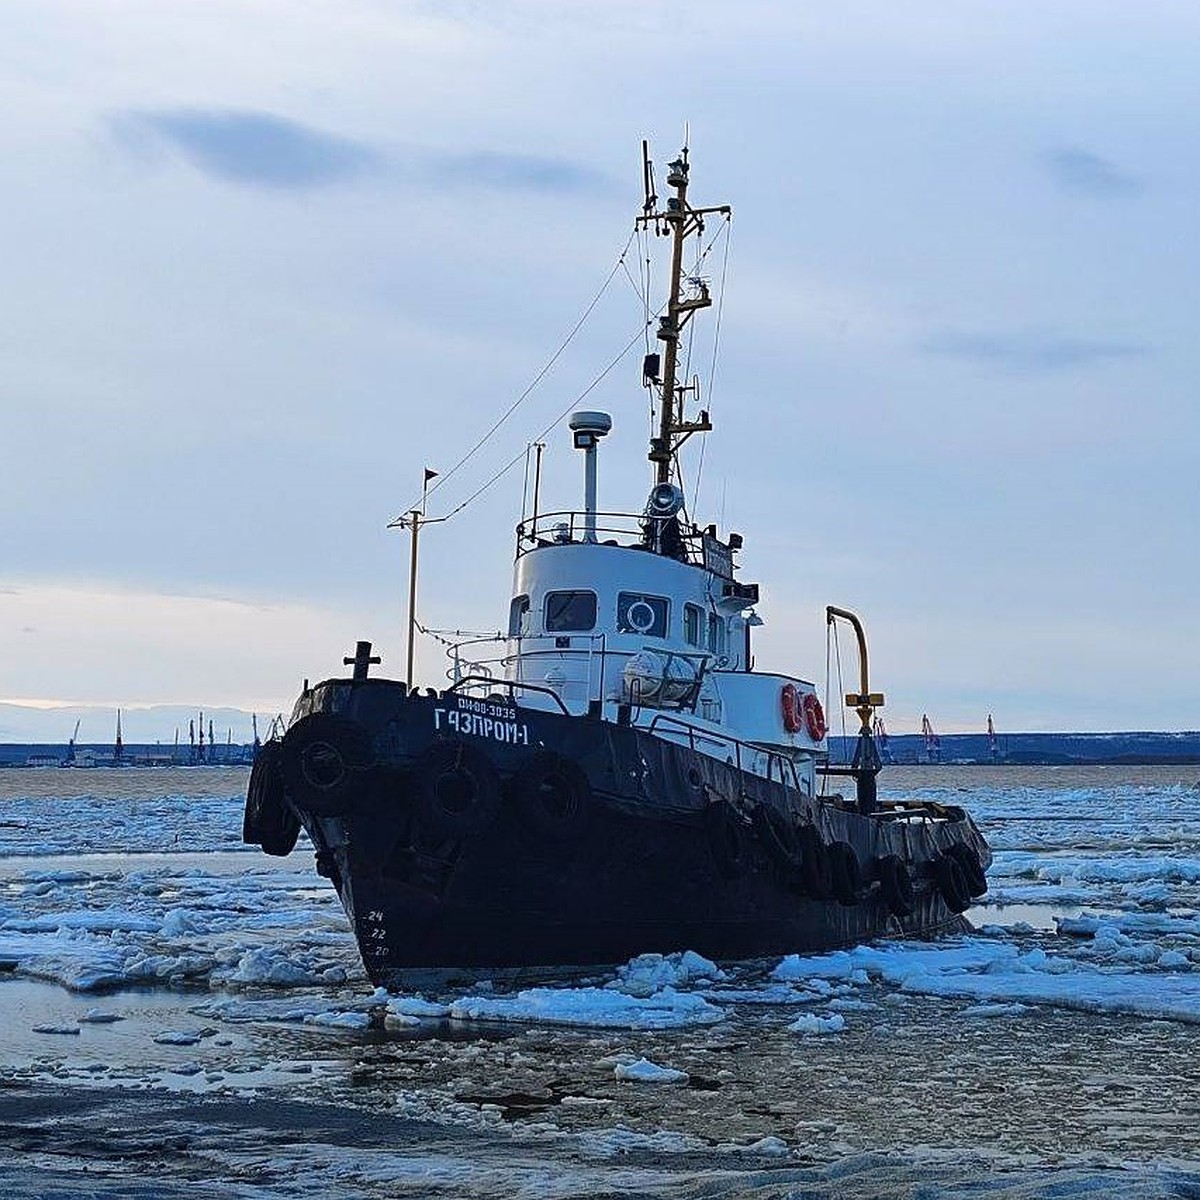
(339, 1019)
(595, 1007)
(645, 1071)
(809, 1023)
(179, 1037)
(988, 971)
(650, 973)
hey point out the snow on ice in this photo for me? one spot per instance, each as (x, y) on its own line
(645, 1071)
(813, 1023)
(595, 1007)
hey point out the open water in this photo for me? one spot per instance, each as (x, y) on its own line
(178, 1012)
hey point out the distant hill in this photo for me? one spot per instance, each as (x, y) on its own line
(1041, 748)
(98, 726)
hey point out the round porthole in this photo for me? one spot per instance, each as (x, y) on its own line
(640, 616)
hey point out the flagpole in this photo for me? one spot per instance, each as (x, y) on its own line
(416, 518)
(414, 527)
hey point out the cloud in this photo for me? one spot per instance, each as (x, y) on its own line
(511, 172)
(1031, 351)
(262, 150)
(1088, 174)
(251, 148)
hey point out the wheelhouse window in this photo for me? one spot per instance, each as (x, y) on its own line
(693, 624)
(570, 612)
(716, 634)
(518, 617)
(639, 613)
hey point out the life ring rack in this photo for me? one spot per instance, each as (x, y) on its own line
(814, 717)
(789, 700)
(802, 712)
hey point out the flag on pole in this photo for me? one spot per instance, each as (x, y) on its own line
(430, 473)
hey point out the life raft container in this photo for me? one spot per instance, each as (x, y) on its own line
(323, 757)
(269, 820)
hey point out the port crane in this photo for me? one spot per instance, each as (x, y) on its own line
(933, 743)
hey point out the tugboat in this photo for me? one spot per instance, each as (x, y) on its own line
(614, 775)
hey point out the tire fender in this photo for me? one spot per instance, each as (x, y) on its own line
(553, 797)
(457, 791)
(895, 884)
(269, 820)
(323, 758)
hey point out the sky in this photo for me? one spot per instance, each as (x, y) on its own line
(265, 262)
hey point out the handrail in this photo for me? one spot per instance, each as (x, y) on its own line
(737, 743)
(511, 684)
(567, 527)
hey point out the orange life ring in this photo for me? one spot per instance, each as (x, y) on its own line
(792, 720)
(814, 717)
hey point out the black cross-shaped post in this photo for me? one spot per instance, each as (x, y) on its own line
(362, 661)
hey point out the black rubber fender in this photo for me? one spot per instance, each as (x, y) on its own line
(553, 797)
(895, 884)
(952, 884)
(815, 868)
(456, 789)
(727, 839)
(845, 873)
(778, 835)
(269, 820)
(324, 757)
(973, 871)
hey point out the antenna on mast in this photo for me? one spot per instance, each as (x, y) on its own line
(678, 221)
(648, 179)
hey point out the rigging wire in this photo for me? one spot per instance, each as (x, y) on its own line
(828, 649)
(712, 369)
(636, 284)
(641, 333)
(504, 470)
(512, 408)
(837, 645)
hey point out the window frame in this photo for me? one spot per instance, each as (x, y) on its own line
(662, 618)
(518, 617)
(574, 592)
(718, 635)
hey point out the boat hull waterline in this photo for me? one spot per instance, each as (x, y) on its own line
(469, 833)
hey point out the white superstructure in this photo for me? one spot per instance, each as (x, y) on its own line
(639, 618)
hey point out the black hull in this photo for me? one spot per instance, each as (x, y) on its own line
(660, 848)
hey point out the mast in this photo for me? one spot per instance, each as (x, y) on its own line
(679, 220)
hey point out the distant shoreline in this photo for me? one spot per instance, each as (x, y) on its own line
(1148, 748)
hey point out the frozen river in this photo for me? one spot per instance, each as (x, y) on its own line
(180, 1012)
